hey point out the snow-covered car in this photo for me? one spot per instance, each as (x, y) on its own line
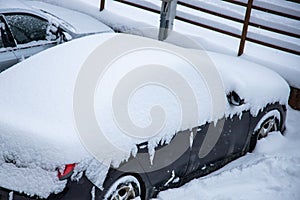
(44, 104)
(30, 27)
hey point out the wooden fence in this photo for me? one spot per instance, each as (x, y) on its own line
(246, 20)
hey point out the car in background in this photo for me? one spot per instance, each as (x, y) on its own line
(41, 149)
(28, 28)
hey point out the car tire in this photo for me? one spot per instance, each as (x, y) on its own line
(264, 127)
(124, 188)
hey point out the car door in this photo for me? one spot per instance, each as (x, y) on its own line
(7, 43)
(169, 163)
(30, 33)
(232, 137)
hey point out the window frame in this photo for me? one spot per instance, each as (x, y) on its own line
(11, 38)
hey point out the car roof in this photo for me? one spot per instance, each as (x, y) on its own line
(12, 5)
(16, 6)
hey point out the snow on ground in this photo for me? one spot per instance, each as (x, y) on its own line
(272, 171)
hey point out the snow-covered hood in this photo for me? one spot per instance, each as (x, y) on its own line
(254, 83)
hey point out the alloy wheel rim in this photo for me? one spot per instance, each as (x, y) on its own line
(269, 126)
(125, 192)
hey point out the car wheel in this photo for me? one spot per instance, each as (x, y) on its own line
(268, 123)
(124, 188)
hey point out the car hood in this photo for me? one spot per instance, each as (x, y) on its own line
(256, 84)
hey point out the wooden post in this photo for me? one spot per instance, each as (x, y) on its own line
(294, 100)
(245, 27)
(102, 5)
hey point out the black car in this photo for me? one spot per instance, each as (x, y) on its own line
(38, 136)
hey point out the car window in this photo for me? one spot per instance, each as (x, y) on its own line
(6, 39)
(27, 28)
(1, 30)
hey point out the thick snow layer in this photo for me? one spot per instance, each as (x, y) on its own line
(272, 171)
(36, 118)
(31, 181)
(252, 82)
(37, 103)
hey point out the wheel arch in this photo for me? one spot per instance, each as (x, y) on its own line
(255, 120)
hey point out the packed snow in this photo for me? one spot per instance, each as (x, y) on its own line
(33, 181)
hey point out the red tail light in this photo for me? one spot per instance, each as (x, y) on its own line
(68, 171)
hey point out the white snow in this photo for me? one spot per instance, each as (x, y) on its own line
(30, 180)
(36, 118)
(272, 171)
(245, 77)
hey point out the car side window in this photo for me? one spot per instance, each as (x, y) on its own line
(6, 39)
(1, 30)
(27, 28)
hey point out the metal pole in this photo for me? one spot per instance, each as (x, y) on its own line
(102, 5)
(245, 27)
(167, 16)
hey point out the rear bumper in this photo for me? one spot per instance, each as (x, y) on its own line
(74, 190)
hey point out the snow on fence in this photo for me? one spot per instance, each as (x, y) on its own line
(246, 19)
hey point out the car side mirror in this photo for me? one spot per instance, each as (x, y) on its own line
(235, 99)
(65, 36)
(55, 32)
